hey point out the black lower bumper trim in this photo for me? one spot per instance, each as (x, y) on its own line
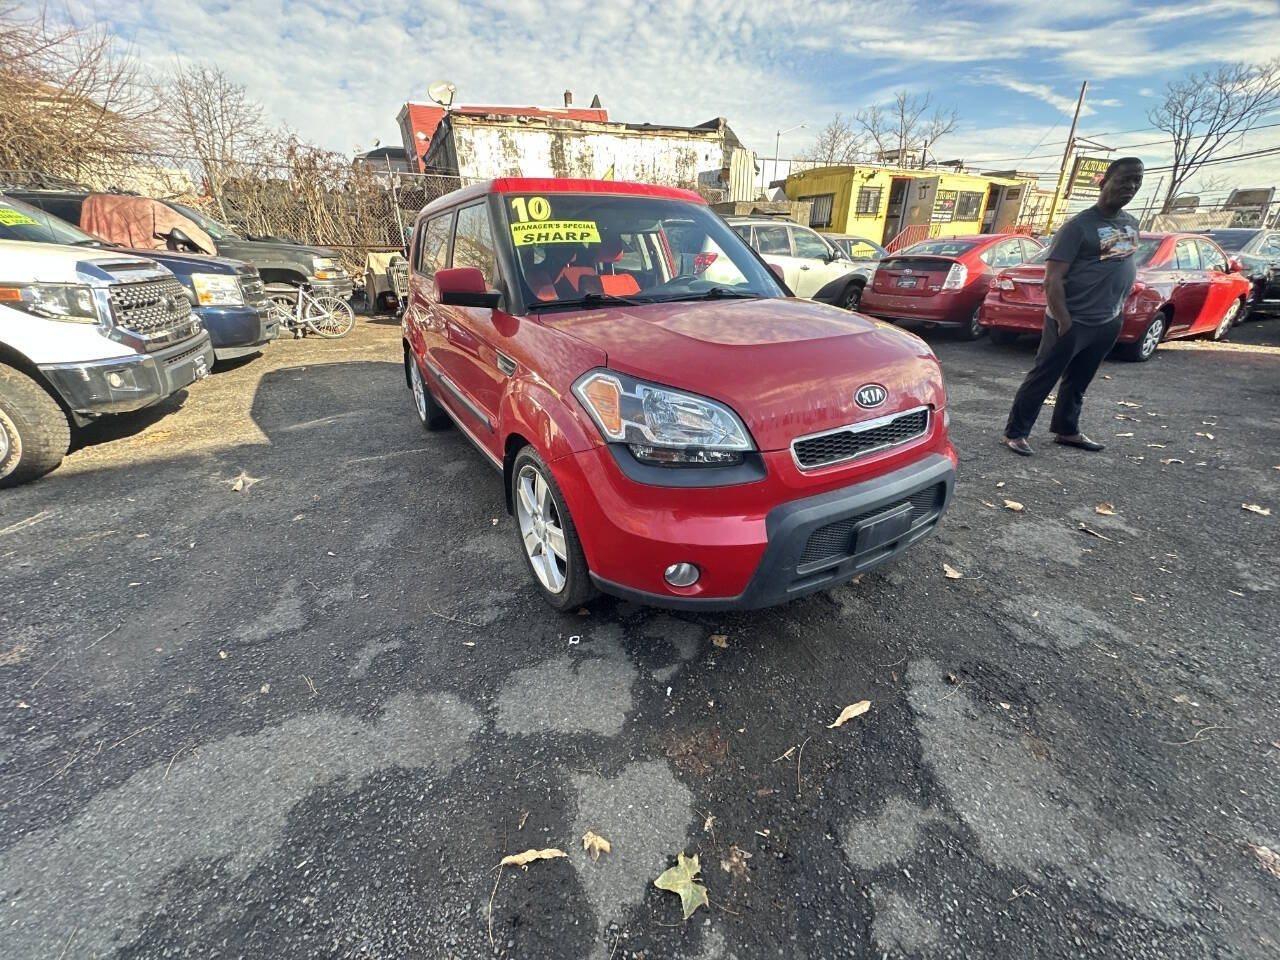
(872, 510)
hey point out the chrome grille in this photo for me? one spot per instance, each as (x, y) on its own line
(150, 307)
(859, 439)
(254, 290)
(837, 540)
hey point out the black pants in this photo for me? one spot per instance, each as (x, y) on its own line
(1075, 359)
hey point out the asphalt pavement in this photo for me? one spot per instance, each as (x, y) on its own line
(276, 684)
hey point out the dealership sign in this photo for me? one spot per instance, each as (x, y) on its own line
(1086, 176)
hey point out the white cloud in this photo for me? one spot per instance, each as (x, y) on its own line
(1042, 91)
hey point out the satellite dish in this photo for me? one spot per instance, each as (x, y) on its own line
(442, 93)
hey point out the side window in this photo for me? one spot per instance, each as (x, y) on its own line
(809, 245)
(1186, 256)
(773, 239)
(433, 245)
(743, 230)
(1007, 254)
(1029, 249)
(1211, 256)
(1271, 246)
(473, 241)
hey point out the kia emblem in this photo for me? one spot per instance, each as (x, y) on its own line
(871, 395)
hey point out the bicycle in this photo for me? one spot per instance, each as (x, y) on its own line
(330, 317)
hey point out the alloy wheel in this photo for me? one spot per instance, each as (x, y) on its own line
(541, 530)
(1151, 339)
(1228, 320)
(419, 390)
(6, 445)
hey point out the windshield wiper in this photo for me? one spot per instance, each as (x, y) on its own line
(587, 302)
(716, 293)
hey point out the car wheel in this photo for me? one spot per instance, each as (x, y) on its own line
(1223, 329)
(852, 298)
(34, 430)
(972, 330)
(430, 413)
(1144, 348)
(548, 539)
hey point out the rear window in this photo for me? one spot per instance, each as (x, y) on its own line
(1231, 240)
(1147, 247)
(940, 248)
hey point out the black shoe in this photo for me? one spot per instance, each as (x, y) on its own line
(1082, 442)
(1019, 446)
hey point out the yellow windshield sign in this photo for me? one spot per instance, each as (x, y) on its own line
(555, 231)
(10, 217)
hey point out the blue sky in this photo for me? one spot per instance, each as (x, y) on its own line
(337, 72)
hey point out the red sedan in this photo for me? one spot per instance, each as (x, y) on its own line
(669, 425)
(943, 281)
(1186, 286)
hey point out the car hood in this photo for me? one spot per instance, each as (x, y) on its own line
(788, 367)
(242, 249)
(187, 263)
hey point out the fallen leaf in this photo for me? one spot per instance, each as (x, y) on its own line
(1207, 436)
(1269, 858)
(584, 612)
(1106, 376)
(266, 688)
(1157, 446)
(708, 823)
(1106, 509)
(494, 521)
(1168, 460)
(1125, 416)
(1000, 484)
(719, 640)
(1126, 403)
(1254, 508)
(222, 654)
(242, 482)
(851, 711)
(595, 844)
(1124, 434)
(951, 573)
(1003, 705)
(526, 858)
(681, 880)
(1013, 505)
(736, 862)
(1095, 533)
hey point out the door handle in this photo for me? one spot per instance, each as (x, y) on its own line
(804, 266)
(1181, 281)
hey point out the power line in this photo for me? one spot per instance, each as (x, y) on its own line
(1125, 146)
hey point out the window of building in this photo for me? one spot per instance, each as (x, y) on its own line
(868, 204)
(820, 209)
(473, 241)
(968, 206)
(433, 245)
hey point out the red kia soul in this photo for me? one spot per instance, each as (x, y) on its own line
(672, 426)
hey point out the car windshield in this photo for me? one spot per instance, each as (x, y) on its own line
(219, 231)
(19, 221)
(940, 248)
(588, 249)
(1231, 241)
(858, 248)
(1147, 246)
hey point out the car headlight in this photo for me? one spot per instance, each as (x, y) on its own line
(327, 268)
(71, 302)
(661, 425)
(217, 289)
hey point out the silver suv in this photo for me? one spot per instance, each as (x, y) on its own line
(812, 266)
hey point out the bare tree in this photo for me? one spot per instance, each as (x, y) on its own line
(837, 143)
(1204, 112)
(215, 121)
(71, 103)
(906, 126)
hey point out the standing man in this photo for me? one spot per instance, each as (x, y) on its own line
(1088, 275)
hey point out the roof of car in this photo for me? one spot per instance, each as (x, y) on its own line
(621, 188)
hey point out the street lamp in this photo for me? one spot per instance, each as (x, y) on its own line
(776, 143)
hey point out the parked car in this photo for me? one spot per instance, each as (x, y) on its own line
(283, 265)
(1259, 254)
(858, 249)
(84, 332)
(227, 296)
(1186, 286)
(812, 266)
(672, 439)
(943, 281)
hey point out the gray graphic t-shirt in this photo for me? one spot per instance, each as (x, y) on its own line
(1100, 251)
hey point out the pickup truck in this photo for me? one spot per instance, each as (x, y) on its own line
(283, 266)
(85, 332)
(228, 296)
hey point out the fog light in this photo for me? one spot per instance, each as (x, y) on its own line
(681, 574)
(121, 380)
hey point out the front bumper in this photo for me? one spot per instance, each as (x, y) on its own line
(342, 287)
(757, 544)
(238, 330)
(129, 383)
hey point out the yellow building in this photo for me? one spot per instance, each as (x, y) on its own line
(883, 204)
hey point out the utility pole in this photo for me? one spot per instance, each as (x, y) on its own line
(1066, 157)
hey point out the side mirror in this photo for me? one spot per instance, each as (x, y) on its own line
(177, 239)
(777, 272)
(465, 287)
(1235, 266)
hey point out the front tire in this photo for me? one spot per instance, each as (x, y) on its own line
(852, 298)
(1229, 319)
(546, 534)
(34, 431)
(1144, 348)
